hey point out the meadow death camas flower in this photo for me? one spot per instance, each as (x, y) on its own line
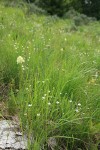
(20, 60)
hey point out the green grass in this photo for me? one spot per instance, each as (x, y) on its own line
(56, 91)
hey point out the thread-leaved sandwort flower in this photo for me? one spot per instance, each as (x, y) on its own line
(38, 115)
(29, 105)
(79, 104)
(57, 102)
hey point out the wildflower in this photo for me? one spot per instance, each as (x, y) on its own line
(43, 98)
(23, 68)
(43, 81)
(20, 60)
(70, 101)
(29, 105)
(38, 115)
(49, 103)
(77, 110)
(57, 102)
(62, 49)
(25, 114)
(94, 62)
(27, 89)
(65, 39)
(79, 104)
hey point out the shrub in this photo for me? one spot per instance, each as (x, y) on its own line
(58, 7)
(32, 8)
(79, 19)
(70, 14)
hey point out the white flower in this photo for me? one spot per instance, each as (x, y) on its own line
(38, 115)
(62, 49)
(79, 104)
(70, 101)
(49, 103)
(57, 102)
(20, 60)
(65, 39)
(27, 89)
(29, 105)
(43, 98)
(77, 110)
(25, 114)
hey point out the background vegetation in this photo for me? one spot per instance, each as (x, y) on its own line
(55, 90)
(60, 7)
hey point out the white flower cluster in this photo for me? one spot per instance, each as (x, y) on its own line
(20, 60)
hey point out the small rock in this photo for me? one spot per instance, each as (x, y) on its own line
(10, 138)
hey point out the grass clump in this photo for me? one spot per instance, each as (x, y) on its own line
(55, 84)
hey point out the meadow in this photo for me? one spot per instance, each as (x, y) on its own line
(52, 72)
